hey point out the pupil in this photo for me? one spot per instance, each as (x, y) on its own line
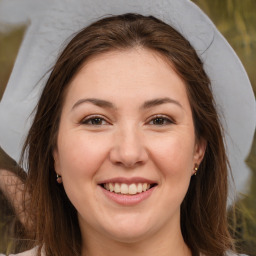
(158, 121)
(96, 121)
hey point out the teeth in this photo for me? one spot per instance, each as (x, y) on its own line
(111, 187)
(126, 189)
(132, 189)
(139, 188)
(117, 188)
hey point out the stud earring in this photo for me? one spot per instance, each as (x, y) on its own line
(58, 178)
(195, 169)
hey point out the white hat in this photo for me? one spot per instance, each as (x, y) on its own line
(52, 22)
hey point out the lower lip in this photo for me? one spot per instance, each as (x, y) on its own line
(128, 199)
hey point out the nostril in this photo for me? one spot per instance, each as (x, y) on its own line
(128, 154)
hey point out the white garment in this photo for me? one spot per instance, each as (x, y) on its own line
(31, 252)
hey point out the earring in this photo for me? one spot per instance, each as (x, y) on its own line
(58, 178)
(195, 169)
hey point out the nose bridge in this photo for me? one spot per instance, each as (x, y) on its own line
(129, 148)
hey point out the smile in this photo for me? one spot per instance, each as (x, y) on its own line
(127, 189)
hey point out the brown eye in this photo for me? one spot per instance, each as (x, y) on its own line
(94, 121)
(159, 121)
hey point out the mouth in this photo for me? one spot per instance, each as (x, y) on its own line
(127, 189)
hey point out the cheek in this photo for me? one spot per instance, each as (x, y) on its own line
(80, 158)
(174, 156)
(81, 155)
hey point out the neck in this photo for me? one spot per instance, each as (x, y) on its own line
(165, 244)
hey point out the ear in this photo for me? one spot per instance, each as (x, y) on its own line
(199, 151)
(55, 154)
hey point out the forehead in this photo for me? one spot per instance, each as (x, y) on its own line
(125, 75)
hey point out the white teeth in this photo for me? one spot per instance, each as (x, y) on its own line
(139, 188)
(144, 187)
(126, 189)
(117, 188)
(111, 187)
(132, 189)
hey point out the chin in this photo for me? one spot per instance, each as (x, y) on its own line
(128, 231)
(128, 236)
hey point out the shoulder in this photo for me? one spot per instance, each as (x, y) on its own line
(32, 252)
(229, 253)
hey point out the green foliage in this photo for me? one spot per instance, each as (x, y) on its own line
(236, 20)
(9, 46)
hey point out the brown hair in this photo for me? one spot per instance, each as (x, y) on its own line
(203, 211)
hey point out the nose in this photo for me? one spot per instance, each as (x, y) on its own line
(128, 149)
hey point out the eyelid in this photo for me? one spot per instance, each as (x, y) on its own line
(107, 122)
(161, 116)
(95, 116)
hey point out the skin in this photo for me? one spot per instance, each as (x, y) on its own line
(127, 140)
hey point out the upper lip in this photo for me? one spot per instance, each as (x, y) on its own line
(128, 180)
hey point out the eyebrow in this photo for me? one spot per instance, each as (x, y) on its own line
(97, 102)
(107, 104)
(159, 101)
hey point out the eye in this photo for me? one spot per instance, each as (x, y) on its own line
(94, 120)
(160, 121)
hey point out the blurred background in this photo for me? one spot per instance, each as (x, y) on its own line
(236, 20)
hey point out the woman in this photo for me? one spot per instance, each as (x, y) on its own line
(108, 177)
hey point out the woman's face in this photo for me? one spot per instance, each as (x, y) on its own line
(126, 146)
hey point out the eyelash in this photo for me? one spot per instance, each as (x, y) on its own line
(93, 118)
(165, 120)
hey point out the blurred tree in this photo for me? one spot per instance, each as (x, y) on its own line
(236, 20)
(9, 45)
